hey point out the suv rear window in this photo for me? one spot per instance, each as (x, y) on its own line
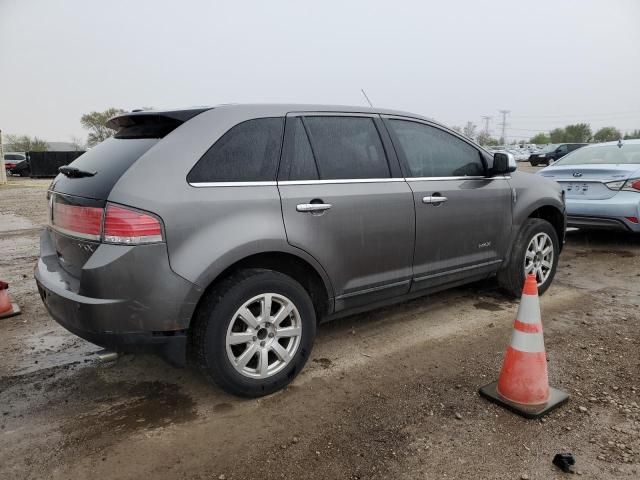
(109, 159)
(248, 152)
(347, 147)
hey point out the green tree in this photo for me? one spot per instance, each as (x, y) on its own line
(540, 139)
(25, 143)
(577, 133)
(557, 135)
(632, 135)
(486, 140)
(95, 122)
(607, 134)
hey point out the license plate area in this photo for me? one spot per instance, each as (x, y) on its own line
(576, 188)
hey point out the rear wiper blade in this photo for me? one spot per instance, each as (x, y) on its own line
(75, 172)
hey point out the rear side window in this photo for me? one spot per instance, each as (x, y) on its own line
(248, 152)
(347, 147)
(298, 162)
(431, 152)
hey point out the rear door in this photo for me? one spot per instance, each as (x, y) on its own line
(463, 218)
(346, 204)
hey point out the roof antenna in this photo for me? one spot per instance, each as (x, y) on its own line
(620, 143)
(367, 98)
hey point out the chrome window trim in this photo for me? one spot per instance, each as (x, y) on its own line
(337, 181)
(340, 180)
(234, 184)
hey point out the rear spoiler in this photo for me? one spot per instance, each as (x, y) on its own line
(149, 123)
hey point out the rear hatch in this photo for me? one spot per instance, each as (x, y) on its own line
(587, 182)
(78, 197)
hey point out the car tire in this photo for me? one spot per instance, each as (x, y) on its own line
(533, 164)
(219, 323)
(511, 276)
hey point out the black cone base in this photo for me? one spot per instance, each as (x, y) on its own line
(11, 313)
(556, 398)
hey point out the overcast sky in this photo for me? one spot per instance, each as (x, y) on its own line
(550, 62)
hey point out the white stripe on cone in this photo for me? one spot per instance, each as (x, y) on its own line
(527, 342)
(529, 310)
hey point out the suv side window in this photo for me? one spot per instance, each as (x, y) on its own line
(297, 162)
(347, 147)
(431, 152)
(562, 149)
(248, 152)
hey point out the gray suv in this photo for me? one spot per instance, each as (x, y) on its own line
(226, 234)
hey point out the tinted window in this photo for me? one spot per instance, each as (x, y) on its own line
(297, 157)
(347, 147)
(10, 156)
(109, 159)
(431, 152)
(248, 152)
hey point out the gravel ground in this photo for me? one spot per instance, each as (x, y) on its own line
(387, 394)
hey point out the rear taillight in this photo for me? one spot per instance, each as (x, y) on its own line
(78, 221)
(115, 224)
(124, 225)
(632, 185)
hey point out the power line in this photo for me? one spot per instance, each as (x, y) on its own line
(581, 115)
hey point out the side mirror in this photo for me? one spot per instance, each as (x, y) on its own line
(503, 163)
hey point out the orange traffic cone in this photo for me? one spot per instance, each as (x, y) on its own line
(7, 309)
(523, 385)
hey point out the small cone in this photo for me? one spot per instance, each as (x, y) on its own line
(523, 385)
(7, 309)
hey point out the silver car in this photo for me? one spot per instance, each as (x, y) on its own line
(229, 233)
(601, 183)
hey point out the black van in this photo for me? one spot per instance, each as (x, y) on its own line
(553, 152)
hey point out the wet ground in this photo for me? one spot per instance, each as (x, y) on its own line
(387, 394)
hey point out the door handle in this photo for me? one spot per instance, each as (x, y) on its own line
(434, 200)
(312, 207)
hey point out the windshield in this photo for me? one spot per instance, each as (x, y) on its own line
(550, 148)
(608, 154)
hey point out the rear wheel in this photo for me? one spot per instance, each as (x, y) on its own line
(535, 252)
(254, 332)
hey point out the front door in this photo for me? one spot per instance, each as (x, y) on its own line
(463, 218)
(345, 205)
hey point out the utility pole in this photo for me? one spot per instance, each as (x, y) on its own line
(504, 125)
(486, 120)
(3, 171)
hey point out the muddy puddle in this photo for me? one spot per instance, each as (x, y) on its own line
(130, 408)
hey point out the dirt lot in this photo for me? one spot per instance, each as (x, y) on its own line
(388, 394)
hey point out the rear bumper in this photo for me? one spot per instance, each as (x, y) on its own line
(610, 213)
(127, 298)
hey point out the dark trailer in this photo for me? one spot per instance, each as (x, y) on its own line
(46, 164)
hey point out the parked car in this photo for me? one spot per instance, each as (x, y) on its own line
(553, 152)
(230, 232)
(12, 159)
(602, 185)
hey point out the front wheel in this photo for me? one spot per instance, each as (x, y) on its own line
(254, 333)
(535, 251)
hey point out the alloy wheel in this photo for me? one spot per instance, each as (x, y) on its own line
(538, 257)
(263, 335)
